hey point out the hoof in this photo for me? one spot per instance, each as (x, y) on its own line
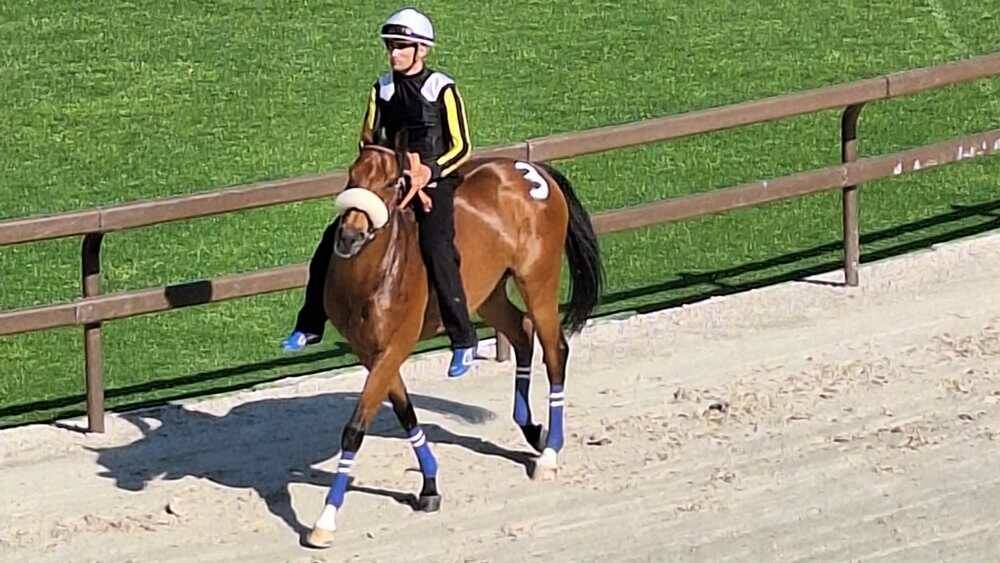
(543, 473)
(319, 538)
(429, 503)
(536, 436)
(547, 466)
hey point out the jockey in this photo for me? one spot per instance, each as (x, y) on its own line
(426, 103)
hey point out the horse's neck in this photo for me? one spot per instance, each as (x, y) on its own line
(391, 252)
(395, 255)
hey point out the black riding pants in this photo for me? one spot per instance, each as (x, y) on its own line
(312, 315)
(437, 244)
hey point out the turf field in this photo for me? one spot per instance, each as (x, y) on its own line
(110, 102)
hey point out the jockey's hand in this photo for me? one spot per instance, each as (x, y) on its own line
(420, 173)
(425, 200)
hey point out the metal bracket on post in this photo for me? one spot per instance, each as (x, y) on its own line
(503, 345)
(92, 348)
(852, 233)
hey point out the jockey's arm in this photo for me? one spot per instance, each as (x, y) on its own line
(371, 120)
(456, 132)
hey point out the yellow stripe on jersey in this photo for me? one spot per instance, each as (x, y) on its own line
(461, 147)
(370, 116)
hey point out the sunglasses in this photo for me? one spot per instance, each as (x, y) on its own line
(394, 44)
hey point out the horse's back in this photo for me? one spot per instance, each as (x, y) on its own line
(511, 187)
(509, 211)
(510, 218)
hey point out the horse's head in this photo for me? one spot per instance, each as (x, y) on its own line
(376, 185)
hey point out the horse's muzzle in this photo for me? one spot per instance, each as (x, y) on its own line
(349, 242)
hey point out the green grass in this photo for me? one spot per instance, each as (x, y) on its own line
(110, 102)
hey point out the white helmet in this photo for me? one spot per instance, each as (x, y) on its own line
(409, 25)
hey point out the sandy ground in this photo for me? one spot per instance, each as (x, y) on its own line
(804, 421)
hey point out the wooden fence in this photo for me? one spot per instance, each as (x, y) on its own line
(92, 224)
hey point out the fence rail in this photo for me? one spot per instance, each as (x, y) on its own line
(94, 308)
(146, 213)
(129, 304)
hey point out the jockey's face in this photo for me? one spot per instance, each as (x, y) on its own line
(406, 57)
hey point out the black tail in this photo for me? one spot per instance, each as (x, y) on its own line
(584, 256)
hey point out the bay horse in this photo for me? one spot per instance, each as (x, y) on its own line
(512, 221)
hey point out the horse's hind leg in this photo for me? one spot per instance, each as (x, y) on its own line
(502, 315)
(541, 294)
(429, 500)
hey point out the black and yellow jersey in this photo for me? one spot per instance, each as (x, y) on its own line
(427, 104)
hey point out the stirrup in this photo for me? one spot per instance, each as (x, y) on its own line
(298, 340)
(461, 361)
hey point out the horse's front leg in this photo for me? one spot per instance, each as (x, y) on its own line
(429, 499)
(383, 372)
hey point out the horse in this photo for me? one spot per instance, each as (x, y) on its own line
(513, 219)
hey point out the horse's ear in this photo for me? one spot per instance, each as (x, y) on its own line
(380, 137)
(402, 144)
(367, 137)
(402, 140)
(374, 137)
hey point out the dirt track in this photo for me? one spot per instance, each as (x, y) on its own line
(804, 421)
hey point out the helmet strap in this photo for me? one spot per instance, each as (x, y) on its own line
(416, 48)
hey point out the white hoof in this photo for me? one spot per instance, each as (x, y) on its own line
(547, 466)
(321, 536)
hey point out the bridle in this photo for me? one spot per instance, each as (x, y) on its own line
(354, 192)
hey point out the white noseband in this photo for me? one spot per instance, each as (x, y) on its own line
(366, 201)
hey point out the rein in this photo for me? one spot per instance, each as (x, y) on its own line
(379, 148)
(353, 193)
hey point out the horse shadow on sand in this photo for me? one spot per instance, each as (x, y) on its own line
(268, 445)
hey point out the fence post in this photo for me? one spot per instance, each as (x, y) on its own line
(503, 345)
(92, 348)
(852, 234)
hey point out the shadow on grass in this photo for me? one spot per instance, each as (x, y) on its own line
(787, 262)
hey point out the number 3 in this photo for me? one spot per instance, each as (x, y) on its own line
(541, 189)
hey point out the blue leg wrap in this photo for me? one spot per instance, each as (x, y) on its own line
(339, 486)
(557, 404)
(522, 403)
(428, 465)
